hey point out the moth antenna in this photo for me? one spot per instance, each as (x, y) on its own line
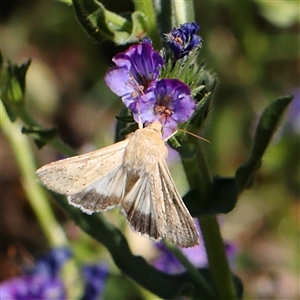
(188, 132)
(194, 135)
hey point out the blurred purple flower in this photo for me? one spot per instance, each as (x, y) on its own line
(95, 277)
(167, 262)
(184, 39)
(43, 282)
(134, 78)
(33, 288)
(173, 105)
(40, 282)
(231, 251)
(292, 120)
(51, 263)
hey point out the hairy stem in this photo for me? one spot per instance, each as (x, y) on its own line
(183, 11)
(147, 7)
(199, 179)
(35, 193)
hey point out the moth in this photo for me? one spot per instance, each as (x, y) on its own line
(133, 175)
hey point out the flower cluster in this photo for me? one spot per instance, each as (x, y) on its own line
(136, 79)
(43, 281)
(184, 39)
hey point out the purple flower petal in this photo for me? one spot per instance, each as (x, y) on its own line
(184, 39)
(168, 263)
(33, 287)
(292, 120)
(174, 104)
(117, 78)
(142, 109)
(134, 78)
(142, 61)
(51, 263)
(40, 282)
(197, 255)
(95, 277)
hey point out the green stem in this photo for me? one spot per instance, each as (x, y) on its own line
(164, 15)
(35, 193)
(147, 7)
(199, 179)
(38, 199)
(218, 263)
(183, 11)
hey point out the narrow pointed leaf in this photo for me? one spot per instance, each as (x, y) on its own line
(266, 128)
(40, 136)
(13, 88)
(101, 23)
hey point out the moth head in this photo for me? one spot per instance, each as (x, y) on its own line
(156, 125)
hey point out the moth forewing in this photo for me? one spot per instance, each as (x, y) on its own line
(180, 226)
(71, 175)
(138, 207)
(103, 194)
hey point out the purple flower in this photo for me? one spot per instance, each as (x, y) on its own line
(51, 263)
(33, 288)
(134, 78)
(292, 120)
(41, 282)
(95, 277)
(167, 262)
(173, 105)
(184, 39)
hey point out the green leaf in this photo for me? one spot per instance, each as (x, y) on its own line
(19, 73)
(121, 287)
(223, 200)
(13, 88)
(68, 2)
(125, 119)
(101, 23)
(126, 130)
(139, 26)
(122, 127)
(91, 16)
(41, 136)
(1, 61)
(266, 128)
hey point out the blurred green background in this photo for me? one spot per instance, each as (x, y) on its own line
(252, 46)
